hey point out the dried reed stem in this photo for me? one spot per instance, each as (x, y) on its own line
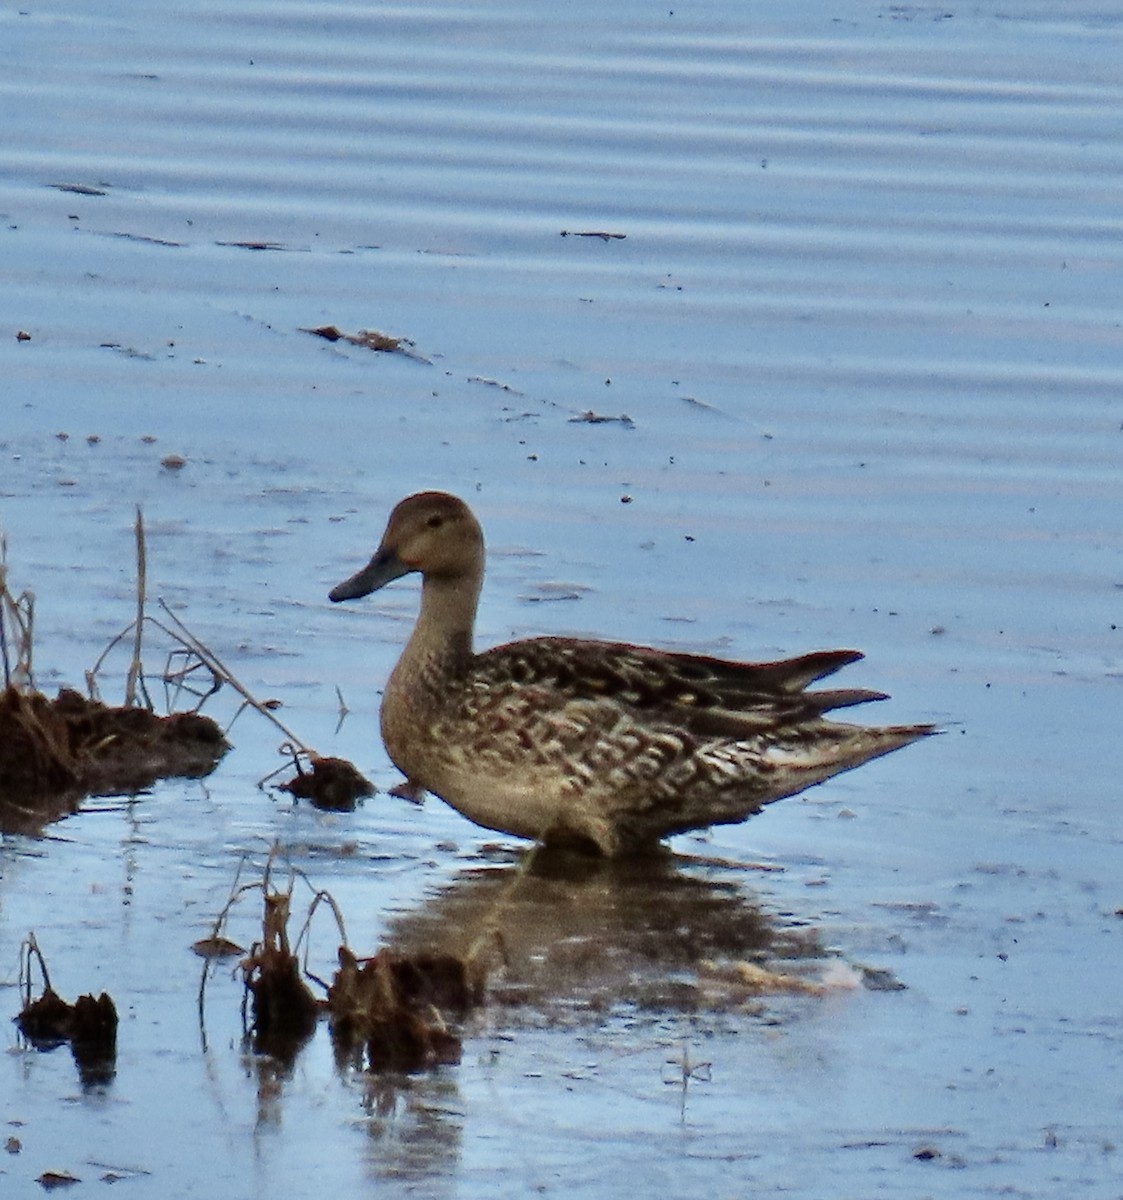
(218, 668)
(19, 613)
(136, 670)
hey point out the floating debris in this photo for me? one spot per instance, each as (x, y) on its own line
(588, 417)
(881, 979)
(217, 947)
(79, 189)
(128, 351)
(370, 339)
(144, 238)
(50, 1180)
(486, 381)
(594, 233)
(333, 784)
(251, 245)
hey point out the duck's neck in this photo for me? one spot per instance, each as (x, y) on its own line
(441, 642)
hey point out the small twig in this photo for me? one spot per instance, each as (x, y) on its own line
(687, 1071)
(178, 677)
(4, 601)
(136, 670)
(330, 901)
(603, 234)
(91, 674)
(235, 893)
(30, 947)
(294, 753)
(20, 612)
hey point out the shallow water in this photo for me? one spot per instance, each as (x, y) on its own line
(864, 321)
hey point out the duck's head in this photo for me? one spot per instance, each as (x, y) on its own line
(431, 532)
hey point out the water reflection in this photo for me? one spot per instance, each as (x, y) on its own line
(556, 939)
(559, 931)
(415, 1124)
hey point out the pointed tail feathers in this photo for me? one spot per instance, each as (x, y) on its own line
(831, 749)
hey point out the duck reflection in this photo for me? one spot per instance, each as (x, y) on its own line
(558, 930)
(562, 936)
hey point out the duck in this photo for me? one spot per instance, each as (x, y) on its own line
(601, 746)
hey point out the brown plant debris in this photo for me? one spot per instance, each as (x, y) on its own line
(55, 752)
(80, 189)
(589, 417)
(333, 784)
(386, 1010)
(50, 1180)
(370, 339)
(594, 233)
(254, 245)
(284, 1009)
(89, 1024)
(217, 947)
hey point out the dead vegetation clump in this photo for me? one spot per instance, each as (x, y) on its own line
(284, 1010)
(386, 1012)
(89, 1025)
(369, 339)
(332, 784)
(53, 753)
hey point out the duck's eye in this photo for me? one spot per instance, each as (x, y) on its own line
(435, 521)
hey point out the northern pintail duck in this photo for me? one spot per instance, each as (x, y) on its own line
(603, 745)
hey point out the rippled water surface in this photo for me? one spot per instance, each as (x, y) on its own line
(856, 309)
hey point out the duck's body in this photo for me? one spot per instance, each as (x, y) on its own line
(599, 744)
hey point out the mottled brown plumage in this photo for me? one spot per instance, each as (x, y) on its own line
(603, 745)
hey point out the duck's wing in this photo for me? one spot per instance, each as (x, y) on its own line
(707, 696)
(623, 776)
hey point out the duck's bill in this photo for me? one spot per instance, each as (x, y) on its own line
(382, 569)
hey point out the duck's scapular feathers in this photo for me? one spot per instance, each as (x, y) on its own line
(605, 745)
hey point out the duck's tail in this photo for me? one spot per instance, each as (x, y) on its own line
(828, 748)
